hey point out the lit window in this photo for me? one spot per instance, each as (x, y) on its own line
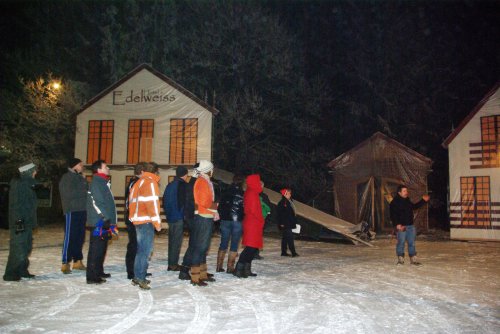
(183, 141)
(475, 200)
(140, 140)
(100, 141)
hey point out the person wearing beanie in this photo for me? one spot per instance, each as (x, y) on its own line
(22, 221)
(205, 214)
(287, 221)
(73, 191)
(174, 199)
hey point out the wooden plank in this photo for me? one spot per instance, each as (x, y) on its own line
(317, 216)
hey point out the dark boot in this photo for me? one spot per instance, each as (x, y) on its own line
(220, 261)
(230, 262)
(184, 274)
(248, 270)
(240, 270)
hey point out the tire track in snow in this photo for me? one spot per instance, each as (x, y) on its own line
(71, 297)
(202, 309)
(141, 311)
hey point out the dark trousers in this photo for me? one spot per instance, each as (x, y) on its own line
(187, 261)
(175, 236)
(203, 235)
(95, 258)
(21, 245)
(74, 236)
(287, 240)
(131, 250)
(247, 255)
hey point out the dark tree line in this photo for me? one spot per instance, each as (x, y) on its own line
(297, 82)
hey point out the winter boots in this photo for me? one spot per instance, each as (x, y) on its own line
(195, 276)
(204, 275)
(220, 261)
(66, 268)
(143, 284)
(78, 265)
(240, 270)
(230, 262)
(401, 260)
(248, 270)
(414, 261)
(174, 267)
(184, 273)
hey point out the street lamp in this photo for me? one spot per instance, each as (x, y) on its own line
(56, 85)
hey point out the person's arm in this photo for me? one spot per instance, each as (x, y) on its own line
(421, 203)
(203, 195)
(153, 206)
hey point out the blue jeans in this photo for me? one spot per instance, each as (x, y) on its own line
(145, 239)
(230, 230)
(203, 235)
(409, 235)
(175, 235)
(187, 261)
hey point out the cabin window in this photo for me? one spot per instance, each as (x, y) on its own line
(140, 140)
(183, 141)
(100, 141)
(475, 200)
(490, 139)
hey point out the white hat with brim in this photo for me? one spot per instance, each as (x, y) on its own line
(27, 167)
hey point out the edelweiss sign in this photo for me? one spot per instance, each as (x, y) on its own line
(143, 96)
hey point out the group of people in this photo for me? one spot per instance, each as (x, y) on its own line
(187, 201)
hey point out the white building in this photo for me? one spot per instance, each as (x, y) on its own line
(145, 116)
(474, 159)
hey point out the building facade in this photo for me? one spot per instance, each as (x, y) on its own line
(145, 116)
(474, 168)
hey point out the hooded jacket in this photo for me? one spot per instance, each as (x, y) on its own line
(144, 200)
(100, 191)
(253, 222)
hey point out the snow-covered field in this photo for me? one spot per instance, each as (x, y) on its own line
(330, 288)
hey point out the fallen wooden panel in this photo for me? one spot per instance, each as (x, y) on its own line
(317, 216)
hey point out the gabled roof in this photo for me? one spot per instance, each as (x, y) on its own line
(466, 120)
(378, 136)
(159, 75)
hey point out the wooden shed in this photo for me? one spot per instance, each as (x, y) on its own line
(365, 179)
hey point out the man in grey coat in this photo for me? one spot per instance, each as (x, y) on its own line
(101, 218)
(73, 190)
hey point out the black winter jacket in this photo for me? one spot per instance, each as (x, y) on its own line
(401, 210)
(231, 204)
(286, 214)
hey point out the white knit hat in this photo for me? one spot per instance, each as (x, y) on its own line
(205, 167)
(27, 167)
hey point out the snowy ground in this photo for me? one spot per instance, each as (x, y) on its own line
(330, 288)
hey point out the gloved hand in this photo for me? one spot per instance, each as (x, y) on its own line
(106, 224)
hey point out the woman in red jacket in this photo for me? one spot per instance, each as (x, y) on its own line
(253, 226)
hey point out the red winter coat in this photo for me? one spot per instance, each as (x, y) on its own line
(253, 222)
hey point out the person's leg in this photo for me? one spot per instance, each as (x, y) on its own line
(26, 251)
(411, 232)
(245, 257)
(15, 259)
(236, 232)
(96, 247)
(66, 244)
(283, 243)
(400, 246)
(175, 235)
(187, 261)
(248, 264)
(206, 238)
(145, 238)
(225, 234)
(131, 250)
(79, 220)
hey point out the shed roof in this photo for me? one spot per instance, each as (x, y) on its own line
(378, 136)
(159, 75)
